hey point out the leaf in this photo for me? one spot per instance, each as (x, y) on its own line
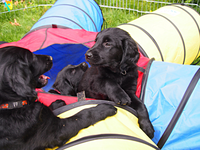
(15, 23)
(11, 23)
(16, 3)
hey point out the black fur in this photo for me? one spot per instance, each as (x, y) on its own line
(68, 79)
(113, 73)
(57, 104)
(34, 126)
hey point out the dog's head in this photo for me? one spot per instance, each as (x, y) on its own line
(68, 79)
(21, 72)
(114, 48)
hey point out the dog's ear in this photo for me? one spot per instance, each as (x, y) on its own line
(130, 53)
(63, 85)
(19, 77)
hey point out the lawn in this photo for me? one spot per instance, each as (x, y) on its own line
(15, 24)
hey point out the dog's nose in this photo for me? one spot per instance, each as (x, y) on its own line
(89, 55)
(84, 64)
(51, 58)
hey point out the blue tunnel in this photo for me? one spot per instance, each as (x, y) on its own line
(74, 14)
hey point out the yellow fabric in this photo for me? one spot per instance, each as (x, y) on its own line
(124, 123)
(111, 144)
(166, 35)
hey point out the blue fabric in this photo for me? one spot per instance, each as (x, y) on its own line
(166, 85)
(63, 54)
(74, 14)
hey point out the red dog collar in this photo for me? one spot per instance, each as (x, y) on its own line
(12, 105)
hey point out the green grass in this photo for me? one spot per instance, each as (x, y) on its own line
(11, 32)
(26, 14)
(28, 17)
(114, 17)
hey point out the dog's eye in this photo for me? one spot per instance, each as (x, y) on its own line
(73, 71)
(106, 44)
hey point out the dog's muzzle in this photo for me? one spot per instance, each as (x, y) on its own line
(51, 58)
(88, 55)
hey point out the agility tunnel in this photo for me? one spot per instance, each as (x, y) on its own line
(119, 132)
(73, 14)
(171, 94)
(162, 86)
(161, 96)
(170, 34)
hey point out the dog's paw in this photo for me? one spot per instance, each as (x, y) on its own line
(58, 103)
(124, 100)
(92, 115)
(106, 109)
(102, 111)
(147, 127)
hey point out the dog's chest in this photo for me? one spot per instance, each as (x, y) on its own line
(16, 122)
(118, 78)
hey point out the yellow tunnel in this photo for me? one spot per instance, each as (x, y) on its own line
(170, 34)
(118, 132)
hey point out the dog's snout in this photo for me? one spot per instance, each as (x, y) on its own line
(89, 55)
(50, 58)
(84, 64)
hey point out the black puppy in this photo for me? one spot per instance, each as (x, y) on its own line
(68, 79)
(113, 73)
(29, 125)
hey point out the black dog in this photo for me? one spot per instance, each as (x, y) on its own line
(68, 79)
(113, 73)
(29, 125)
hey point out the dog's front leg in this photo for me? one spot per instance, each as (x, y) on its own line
(116, 93)
(143, 116)
(57, 104)
(64, 129)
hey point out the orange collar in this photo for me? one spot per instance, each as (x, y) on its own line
(12, 105)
